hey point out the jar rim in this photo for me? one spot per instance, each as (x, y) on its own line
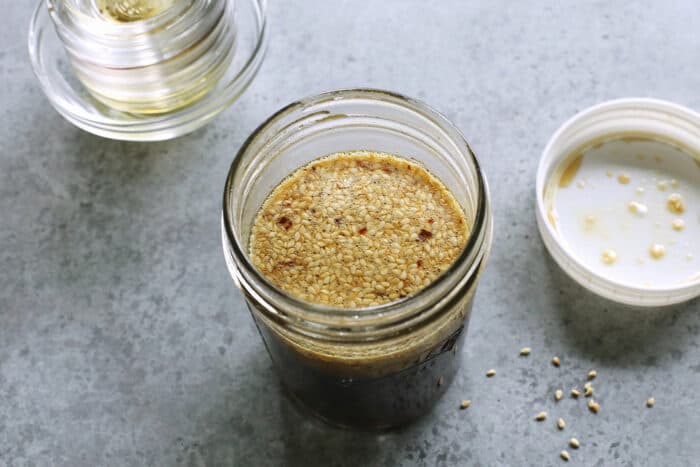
(480, 227)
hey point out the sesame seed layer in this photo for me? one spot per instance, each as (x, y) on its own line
(357, 229)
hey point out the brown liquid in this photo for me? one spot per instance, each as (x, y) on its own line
(371, 392)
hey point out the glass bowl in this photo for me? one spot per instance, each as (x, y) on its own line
(58, 80)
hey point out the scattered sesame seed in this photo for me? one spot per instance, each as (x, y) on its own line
(565, 455)
(650, 402)
(441, 381)
(638, 208)
(657, 251)
(558, 394)
(592, 374)
(573, 442)
(608, 256)
(575, 393)
(465, 404)
(561, 423)
(541, 416)
(556, 361)
(491, 373)
(525, 351)
(678, 224)
(593, 406)
(675, 203)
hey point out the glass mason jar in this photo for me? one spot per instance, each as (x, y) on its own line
(379, 366)
(162, 61)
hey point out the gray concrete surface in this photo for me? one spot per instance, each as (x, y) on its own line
(124, 342)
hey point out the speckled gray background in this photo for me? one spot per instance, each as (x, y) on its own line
(124, 342)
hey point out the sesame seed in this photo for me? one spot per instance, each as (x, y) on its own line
(675, 203)
(593, 406)
(657, 251)
(558, 394)
(556, 362)
(525, 351)
(575, 393)
(441, 381)
(565, 455)
(650, 402)
(465, 404)
(623, 178)
(541, 416)
(491, 373)
(592, 374)
(609, 256)
(561, 423)
(573, 442)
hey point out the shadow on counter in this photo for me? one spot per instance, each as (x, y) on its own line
(617, 334)
(257, 423)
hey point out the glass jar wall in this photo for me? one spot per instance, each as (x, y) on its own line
(372, 367)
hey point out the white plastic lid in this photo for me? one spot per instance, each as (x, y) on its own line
(607, 186)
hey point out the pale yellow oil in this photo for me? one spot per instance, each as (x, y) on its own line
(126, 11)
(187, 94)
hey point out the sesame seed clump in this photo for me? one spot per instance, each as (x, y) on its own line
(357, 229)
